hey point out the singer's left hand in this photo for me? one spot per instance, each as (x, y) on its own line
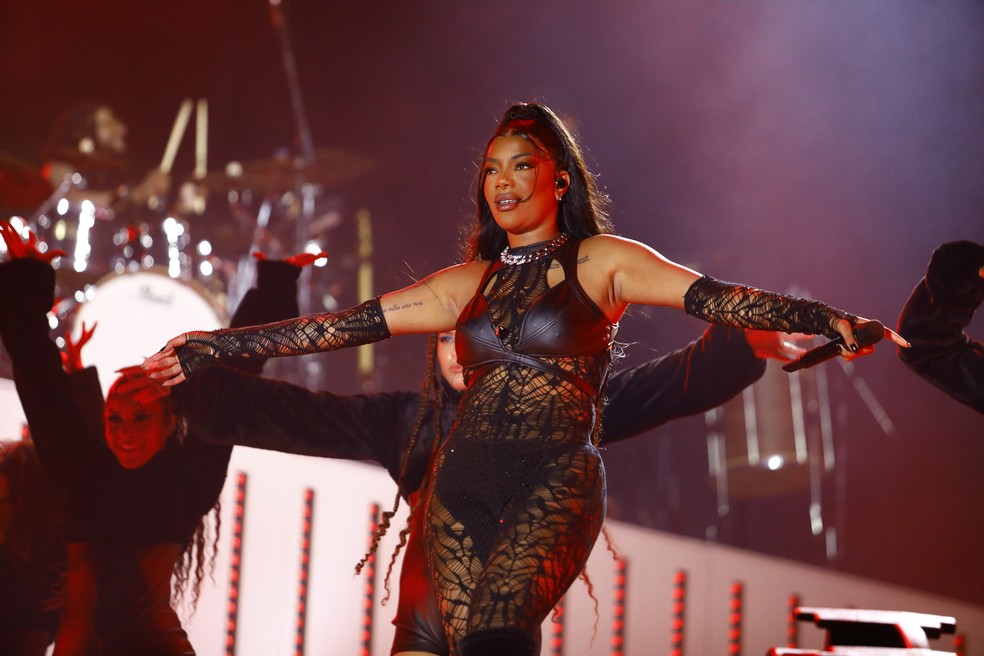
(852, 349)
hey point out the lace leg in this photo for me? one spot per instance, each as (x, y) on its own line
(453, 566)
(542, 545)
(538, 547)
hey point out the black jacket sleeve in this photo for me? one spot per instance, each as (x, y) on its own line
(269, 414)
(702, 375)
(58, 428)
(88, 396)
(273, 298)
(934, 319)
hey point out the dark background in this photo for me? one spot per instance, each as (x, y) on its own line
(822, 147)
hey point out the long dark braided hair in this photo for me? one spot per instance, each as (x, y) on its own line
(431, 403)
(198, 558)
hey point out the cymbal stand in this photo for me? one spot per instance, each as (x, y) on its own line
(306, 192)
(290, 68)
(68, 182)
(246, 266)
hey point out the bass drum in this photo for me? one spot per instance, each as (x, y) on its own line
(137, 313)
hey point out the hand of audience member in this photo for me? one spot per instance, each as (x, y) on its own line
(300, 260)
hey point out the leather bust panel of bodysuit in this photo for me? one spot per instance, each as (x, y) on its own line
(564, 322)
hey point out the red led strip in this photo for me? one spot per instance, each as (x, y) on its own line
(679, 607)
(302, 576)
(557, 629)
(369, 571)
(618, 612)
(235, 562)
(734, 618)
(792, 626)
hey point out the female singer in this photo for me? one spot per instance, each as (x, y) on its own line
(517, 493)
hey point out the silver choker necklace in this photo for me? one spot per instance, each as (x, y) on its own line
(509, 259)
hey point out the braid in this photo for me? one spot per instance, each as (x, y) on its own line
(614, 551)
(195, 561)
(587, 581)
(404, 534)
(437, 403)
(426, 400)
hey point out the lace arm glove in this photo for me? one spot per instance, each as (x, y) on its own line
(730, 304)
(363, 324)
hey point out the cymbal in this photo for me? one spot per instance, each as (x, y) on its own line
(22, 189)
(330, 168)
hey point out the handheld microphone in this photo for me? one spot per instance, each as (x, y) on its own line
(866, 335)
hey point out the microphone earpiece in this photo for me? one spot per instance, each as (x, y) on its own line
(561, 183)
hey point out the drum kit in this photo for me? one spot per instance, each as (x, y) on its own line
(149, 273)
(140, 273)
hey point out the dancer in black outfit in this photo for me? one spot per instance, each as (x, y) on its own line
(515, 498)
(134, 512)
(935, 317)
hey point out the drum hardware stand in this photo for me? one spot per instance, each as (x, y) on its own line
(870, 401)
(70, 181)
(887, 427)
(307, 154)
(246, 266)
(310, 368)
(817, 444)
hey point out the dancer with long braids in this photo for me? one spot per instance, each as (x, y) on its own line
(517, 494)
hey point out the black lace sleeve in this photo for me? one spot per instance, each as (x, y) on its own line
(730, 304)
(363, 324)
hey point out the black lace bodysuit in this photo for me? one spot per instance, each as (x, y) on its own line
(519, 490)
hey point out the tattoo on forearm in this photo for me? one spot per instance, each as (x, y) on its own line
(404, 306)
(582, 260)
